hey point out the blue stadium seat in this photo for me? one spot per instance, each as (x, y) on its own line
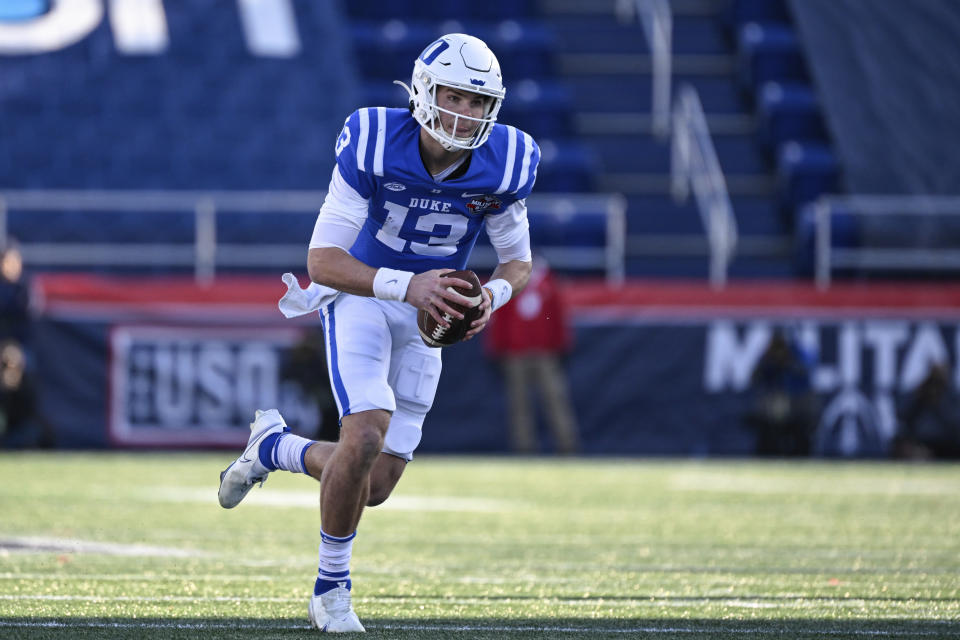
(805, 171)
(540, 108)
(789, 111)
(446, 10)
(524, 49)
(769, 52)
(566, 165)
(744, 11)
(567, 229)
(388, 49)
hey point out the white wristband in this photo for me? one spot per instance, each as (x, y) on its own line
(501, 292)
(391, 284)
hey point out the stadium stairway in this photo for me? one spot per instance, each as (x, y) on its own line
(607, 66)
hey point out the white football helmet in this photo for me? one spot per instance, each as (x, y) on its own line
(462, 62)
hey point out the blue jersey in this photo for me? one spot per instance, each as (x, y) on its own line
(414, 222)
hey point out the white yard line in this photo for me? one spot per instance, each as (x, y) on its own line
(475, 628)
(640, 601)
(40, 544)
(311, 500)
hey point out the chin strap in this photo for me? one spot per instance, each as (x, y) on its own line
(434, 122)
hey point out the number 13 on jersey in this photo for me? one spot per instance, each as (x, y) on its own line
(445, 229)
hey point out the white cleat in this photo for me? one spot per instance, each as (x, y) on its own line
(244, 472)
(332, 612)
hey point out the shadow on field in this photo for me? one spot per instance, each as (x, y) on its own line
(439, 629)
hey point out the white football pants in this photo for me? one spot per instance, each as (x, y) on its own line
(377, 360)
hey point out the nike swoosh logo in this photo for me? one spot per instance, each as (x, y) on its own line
(394, 281)
(471, 195)
(255, 445)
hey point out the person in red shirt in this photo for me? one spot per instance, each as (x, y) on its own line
(528, 336)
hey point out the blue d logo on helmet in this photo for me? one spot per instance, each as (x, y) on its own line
(441, 46)
(462, 62)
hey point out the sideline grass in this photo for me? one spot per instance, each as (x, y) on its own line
(135, 546)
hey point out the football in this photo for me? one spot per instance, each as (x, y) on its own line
(437, 335)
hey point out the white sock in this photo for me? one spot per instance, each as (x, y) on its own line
(334, 561)
(288, 452)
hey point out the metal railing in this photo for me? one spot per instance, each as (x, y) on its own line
(694, 165)
(559, 209)
(694, 161)
(205, 253)
(657, 20)
(938, 251)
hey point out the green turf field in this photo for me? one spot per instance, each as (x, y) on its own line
(136, 546)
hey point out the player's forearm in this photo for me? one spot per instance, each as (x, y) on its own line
(516, 273)
(334, 267)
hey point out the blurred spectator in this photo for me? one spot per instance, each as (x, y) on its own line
(784, 408)
(307, 368)
(21, 424)
(528, 336)
(14, 297)
(930, 421)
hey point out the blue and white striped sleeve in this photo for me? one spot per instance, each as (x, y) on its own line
(360, 148)
(520, 168)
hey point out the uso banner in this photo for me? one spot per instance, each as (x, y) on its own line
(656, 369)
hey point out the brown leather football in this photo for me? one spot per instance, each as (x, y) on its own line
(436, 335)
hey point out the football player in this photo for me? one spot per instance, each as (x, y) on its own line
(411, 190)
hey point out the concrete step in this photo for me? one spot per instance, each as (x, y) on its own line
(609, 7)
(697, 267)
(659, 214)
(609, 94)
(605, 33)
(635, 124)
(658, 184)
(738, 154)
(592, 63)
(695, 245)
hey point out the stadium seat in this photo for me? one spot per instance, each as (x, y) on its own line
(805, 171)
(524, 49)
(540, 108)
(566, 165)
(744, 11)
(388, 49)
(788, 111)
(769, 52)
(447, 10)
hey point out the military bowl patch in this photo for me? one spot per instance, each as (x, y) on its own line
(483, 203)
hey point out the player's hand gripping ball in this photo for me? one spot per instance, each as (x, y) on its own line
(437, 335)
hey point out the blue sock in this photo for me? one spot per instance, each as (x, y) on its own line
(285, 451)
(322, 586)
(266, 449)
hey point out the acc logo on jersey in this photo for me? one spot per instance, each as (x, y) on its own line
(483, 203)
(394, 186)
